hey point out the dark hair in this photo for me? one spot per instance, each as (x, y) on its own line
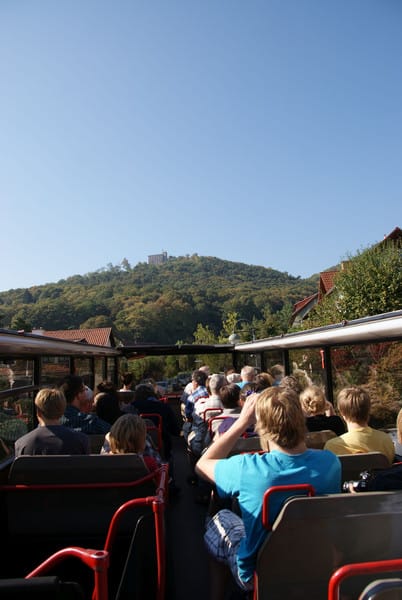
(143, 391)
(199, 376)
(127, 379)
(107, 407)
(71, 385)
(230, 395)
(106, 386)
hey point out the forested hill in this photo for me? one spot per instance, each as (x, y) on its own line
(162, 303)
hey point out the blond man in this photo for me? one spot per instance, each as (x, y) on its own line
(279, 419)
(51, 437)
(354, 407)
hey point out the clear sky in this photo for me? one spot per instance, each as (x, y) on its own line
(267, 132)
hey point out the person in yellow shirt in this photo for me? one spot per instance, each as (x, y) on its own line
(354, 407)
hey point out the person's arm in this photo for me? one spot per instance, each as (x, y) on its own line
(222, 446)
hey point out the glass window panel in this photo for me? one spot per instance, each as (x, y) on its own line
(99, 371)
(54, 368)
(83, 368)
(111, 369)
(16, 419)
(306, 364)
(16, 373)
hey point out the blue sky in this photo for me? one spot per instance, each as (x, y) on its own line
(267, 132)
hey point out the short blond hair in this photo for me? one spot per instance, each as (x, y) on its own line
(313, 401)
(280, 418)
(354, 404)
(51, 403)
(128, 434)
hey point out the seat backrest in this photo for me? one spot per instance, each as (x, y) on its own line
(312, 537)
(354, 464)
(105, 468)
(383, 589)
(318, 439)
(72, 497)
(96, 442)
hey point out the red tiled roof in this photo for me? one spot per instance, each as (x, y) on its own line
(326, 282)
(302, 303)
(101, 336)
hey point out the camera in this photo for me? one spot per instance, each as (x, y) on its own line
(359, 485)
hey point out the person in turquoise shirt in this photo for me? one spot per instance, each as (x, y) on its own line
(280, 422)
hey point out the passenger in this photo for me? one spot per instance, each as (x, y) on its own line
(145, 402)
(106, 402)
(231, 401)
(88, 405)
(247, 375)
(127, 381)
(233, 377)
(354, 407)
(74, 416)
(263, 381)
(277, 372)
(50, 437)
(313, 404)
(189, 387)
(198, 392)
(235, 540)
(292, 383)
(216, 382)
(128, 434)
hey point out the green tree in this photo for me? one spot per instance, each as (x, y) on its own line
(370, 284)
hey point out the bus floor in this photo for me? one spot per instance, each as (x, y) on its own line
(187, 558)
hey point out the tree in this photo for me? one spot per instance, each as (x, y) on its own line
(370, 284)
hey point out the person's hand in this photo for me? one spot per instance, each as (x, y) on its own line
(247, 415)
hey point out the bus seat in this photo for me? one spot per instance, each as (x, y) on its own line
(318, 439)
(40, 588)
(380, 589)
(96, 442)
(354, 464)
(312, 537)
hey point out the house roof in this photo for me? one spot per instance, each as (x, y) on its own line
(101, 336)
(326, 282)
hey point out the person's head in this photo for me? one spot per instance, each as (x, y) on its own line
(128, 434)
(277, 372)
(263, 381)
(280, 418)
(290, 382)
(143, 391)
(107, 407)
(73, 388)
(87, 404)
(233, 377)
(313, 401)
(50, 404)
(354, 405)
(230, 395)
(247, 374)
(127, 379)
(216, 382)
(205, 369)
(107, 387)
(198, 377)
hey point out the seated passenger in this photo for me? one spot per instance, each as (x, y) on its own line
(198, 392)
(216, 382)
(235, 540)
(313, 404)
(145, 402)
(106, 402)
(354, 407)
(262, 381)
(50, 437)
(232, 400)
(75, 416)
(128, 435)
(247, 375)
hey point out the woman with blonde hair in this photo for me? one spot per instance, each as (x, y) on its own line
(314, 405)
(128, 434)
